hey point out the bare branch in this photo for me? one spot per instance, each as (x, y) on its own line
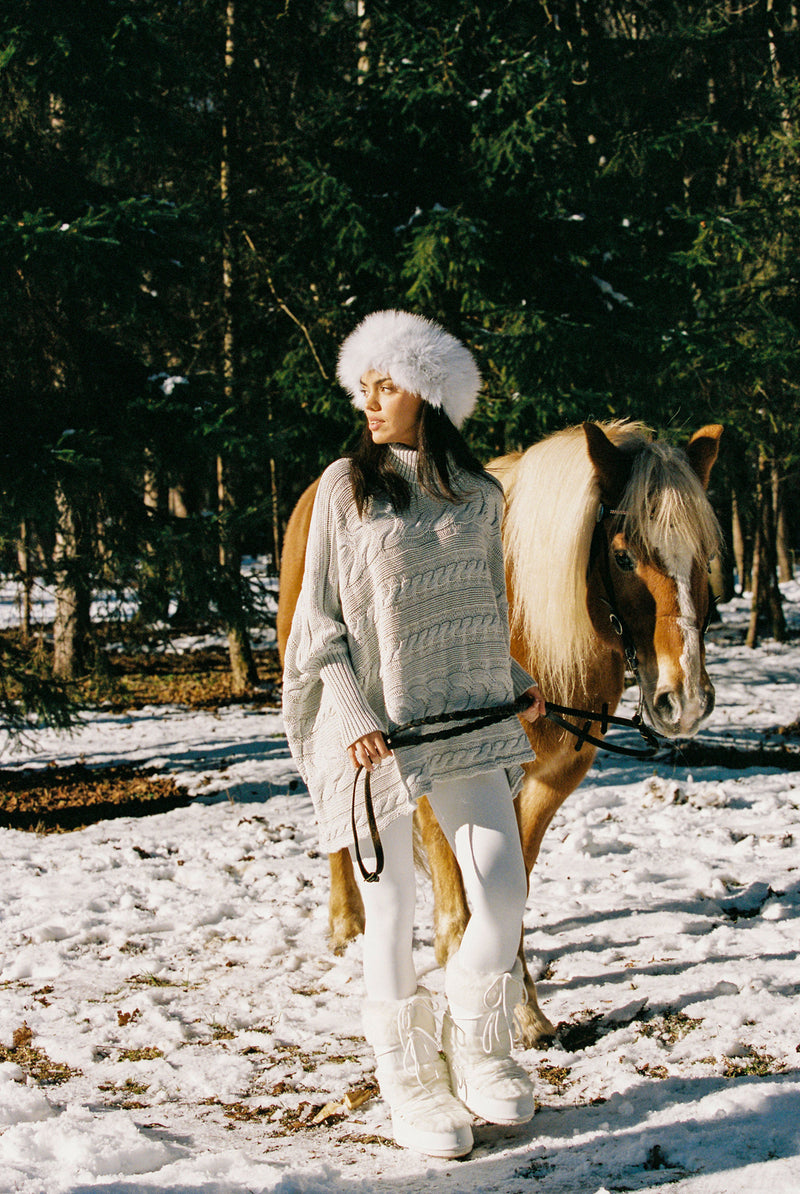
(285, 309)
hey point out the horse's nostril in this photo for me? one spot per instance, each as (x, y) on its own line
(667, 707)
(710, 702)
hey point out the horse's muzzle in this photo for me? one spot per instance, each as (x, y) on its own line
(675, 716)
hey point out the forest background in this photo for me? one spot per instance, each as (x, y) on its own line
(201, 198)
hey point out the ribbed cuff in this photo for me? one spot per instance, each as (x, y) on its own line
(520, 679)
(355, 715)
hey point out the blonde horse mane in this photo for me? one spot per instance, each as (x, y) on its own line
(552, 503)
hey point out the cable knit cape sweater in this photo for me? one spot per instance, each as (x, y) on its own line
(400, 616)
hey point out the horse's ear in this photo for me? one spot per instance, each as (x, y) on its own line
(702, 451)
(611, 466)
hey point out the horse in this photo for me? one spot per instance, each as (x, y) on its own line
(608, 535)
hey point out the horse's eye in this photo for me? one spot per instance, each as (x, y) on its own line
(624, 561)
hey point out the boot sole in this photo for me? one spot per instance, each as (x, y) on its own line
(415, 1140)
(503, 1122)
(494, 1115)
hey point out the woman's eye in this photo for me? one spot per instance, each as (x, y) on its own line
(624, 561)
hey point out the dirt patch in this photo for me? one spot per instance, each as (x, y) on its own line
(55, 799)
(52, 799)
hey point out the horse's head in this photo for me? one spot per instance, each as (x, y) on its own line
(648, 589)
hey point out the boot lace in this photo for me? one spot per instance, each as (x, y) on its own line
(500, 1000)
(420, 1048)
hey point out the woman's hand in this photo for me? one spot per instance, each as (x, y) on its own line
(536, 708)
(368, 751)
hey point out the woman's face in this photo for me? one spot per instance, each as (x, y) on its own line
(392, 413)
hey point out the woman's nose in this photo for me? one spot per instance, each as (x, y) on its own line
(372, 402)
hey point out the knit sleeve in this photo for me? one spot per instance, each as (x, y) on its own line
(520, 679)
(317, 657)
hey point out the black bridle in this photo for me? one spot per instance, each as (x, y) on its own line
(599, 554)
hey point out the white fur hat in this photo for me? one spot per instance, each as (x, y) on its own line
(418, 355)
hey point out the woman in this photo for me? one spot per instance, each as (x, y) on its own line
(402, 615)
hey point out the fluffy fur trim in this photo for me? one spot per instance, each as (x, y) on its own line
(418, 355)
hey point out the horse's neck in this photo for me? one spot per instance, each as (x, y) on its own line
(602, 682)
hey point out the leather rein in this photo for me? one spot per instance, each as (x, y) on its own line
(474, 719)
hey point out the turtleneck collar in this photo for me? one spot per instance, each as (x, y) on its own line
(405, 460)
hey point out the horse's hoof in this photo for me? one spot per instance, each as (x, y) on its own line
(534, 1030)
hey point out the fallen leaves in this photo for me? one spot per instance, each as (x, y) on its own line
(350, 1102)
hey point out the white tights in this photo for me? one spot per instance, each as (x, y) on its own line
(478, 819)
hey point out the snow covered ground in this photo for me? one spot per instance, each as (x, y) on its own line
(172, 1019)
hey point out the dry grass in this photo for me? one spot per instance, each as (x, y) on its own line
(34, 1062)
(197, 679)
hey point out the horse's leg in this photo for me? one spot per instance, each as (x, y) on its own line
(540, 799)
(345, 906)
(450, 911)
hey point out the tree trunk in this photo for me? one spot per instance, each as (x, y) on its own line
(244, 674)
(26, 577)
(767, 600)
(71, 623)
(275, 504)
(756, 584)
(364, 27)
(721, 579)
(785, 570)
(276, 518)
(774, 598)
(154, 596)
(178, 503)
(737, 541)
(191, 598)
(240, 654)
(242, 664)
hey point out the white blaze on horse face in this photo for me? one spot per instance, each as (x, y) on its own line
(680, 700)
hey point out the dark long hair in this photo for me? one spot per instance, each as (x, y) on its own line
(441, 449)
